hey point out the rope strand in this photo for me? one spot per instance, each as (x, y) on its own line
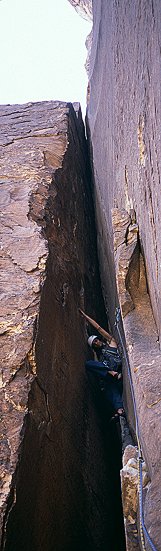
(143, 530)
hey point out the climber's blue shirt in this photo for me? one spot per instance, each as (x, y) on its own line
(110, 358)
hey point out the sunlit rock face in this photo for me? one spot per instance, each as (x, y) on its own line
(124, 120)
(124, 116)
(56, 481)
(83, 7)
(130, 490)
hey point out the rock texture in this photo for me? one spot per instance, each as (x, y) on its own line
(129, 483)
(124, 119)
(83, 7)
(57, 481)
(126, 254)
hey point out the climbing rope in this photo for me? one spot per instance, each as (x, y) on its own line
(143, 531)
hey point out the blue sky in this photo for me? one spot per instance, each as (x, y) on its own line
(42, 45)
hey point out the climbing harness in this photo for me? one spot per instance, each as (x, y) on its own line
(143, 531)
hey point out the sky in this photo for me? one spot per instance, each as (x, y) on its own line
(42, 52)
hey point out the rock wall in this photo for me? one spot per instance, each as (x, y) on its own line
(124, 119)
(83, 7)
(57, 481)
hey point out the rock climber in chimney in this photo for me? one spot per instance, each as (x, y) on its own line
(106, 366)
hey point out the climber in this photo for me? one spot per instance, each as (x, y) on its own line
(107, 367)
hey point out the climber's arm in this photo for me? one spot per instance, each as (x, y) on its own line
(100, 329)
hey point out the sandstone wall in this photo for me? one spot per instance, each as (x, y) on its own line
(83, 7)
(124, 119)
(57, 482)
(124, 116)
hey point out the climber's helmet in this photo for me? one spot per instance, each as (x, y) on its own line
(92, 340)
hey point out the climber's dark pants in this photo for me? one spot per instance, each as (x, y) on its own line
(113, 392)
(111, 387)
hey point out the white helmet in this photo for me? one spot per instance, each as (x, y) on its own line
(91, 339)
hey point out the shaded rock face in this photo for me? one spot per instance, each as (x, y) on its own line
(57, 477)
(124, 118)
